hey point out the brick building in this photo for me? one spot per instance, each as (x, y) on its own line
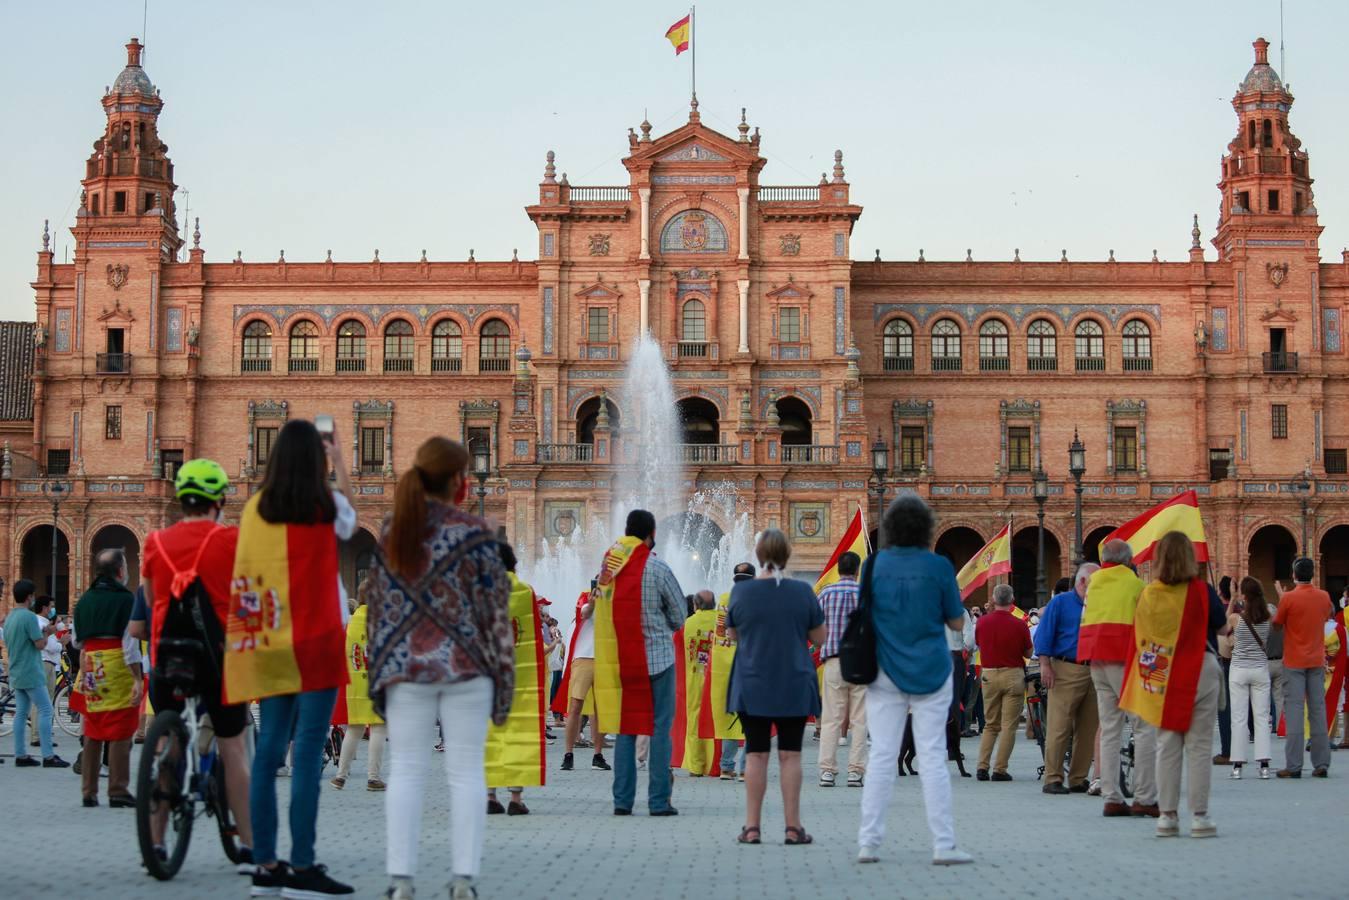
(790, 358)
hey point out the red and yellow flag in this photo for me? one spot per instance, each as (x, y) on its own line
(1180, 513)
(854, 539)
(562, 699)
(284, 634)
(104, 690)
(623, 703)
(725, 725)
(514, 755)
(678, 34)
(1161, 679)
(353, 700)
(995, 558)
(692, 734)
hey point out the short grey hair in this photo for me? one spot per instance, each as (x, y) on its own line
(1118, 552)
(1084, 573)
(1003, 595)
(110, 563)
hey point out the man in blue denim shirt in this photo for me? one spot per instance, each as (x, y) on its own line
(1071, 716)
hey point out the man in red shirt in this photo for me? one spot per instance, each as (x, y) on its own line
(1004, 643)
(202, 543)
(1302, 615)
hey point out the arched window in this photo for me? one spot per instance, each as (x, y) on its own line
(257, 356)
(897, 346)
(398, 346)
(304, 347)
(945, 346)
(351, 346)
(1268, 134)
(1137, 346)
(447, 347)
(1042, 348)
(1089, 346)
(993, 346)
(693, 326)
(494, 347)
(694, 231)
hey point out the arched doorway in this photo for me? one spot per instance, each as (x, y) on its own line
(699, 421)
(1091, 549)
(795, 420)
(690, 543)
(1024, 551)
(1271, 553)
(959, 544)
(118, 537)
(357, 555)
(587, 417)
(1335, 560)
(35, 564)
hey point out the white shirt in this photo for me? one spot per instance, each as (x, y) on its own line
(956, 641)
(585, 641)
(51, 652)
(345, 526)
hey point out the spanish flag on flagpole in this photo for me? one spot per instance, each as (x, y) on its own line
(994, 559)
(1180, 513)
(854, 539)
(678, 34)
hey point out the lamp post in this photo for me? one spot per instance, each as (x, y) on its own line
(1303, 487)
(1040, 482)
(482, 467)
(1077, 465)
(55, 491)
(880, 464)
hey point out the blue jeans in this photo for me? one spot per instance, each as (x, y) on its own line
(308, 715)
(658, 762)
(23, 699)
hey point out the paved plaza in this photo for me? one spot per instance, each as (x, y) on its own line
(1277, 838)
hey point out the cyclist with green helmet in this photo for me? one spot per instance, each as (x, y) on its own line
(185, 560)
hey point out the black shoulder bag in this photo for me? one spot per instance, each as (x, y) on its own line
(857, 647)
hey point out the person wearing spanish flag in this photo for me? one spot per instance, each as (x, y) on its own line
(353, 710)
(1173, 682)
(699, 633)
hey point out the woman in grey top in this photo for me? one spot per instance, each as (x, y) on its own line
(1248, 678)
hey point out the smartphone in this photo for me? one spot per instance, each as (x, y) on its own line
(324, 423)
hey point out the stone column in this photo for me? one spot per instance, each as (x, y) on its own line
(644, 285)
(743, 284)
(744, 222)
(645, 195)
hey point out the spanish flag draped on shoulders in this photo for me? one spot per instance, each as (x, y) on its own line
(1161, 678)
(725, 724)
(693, 713)
(514, 755)
(353, 700)
(623, 701)
(284, 634)
(1112, 598)
(562, 698)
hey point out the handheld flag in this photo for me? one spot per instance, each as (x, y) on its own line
(854, 539)
(1180, 513)
(994, 559)
(678, 34)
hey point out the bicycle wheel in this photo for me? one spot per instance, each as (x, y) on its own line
(1126, 770)
(219, 805)
(163, 789)
(67, 719)
(6, 712)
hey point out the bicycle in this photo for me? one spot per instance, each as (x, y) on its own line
(1036, 699)
(180, 769)
(63, 716)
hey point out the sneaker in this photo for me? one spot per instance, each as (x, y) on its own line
(827, 779)
(245, 865)
(1202, 827)
(463, 889)
(1264, 773)
(868, 854)
(268, 882)
(551, 738)
(313, 883)
(1094, 789)
(1167, 826)
(399, 891)
(598, 764)
(854, 779)
(953, 857)
(740, 777)
(56, 762)
(566, 762)
(21, 762)
(843, 741)
(583, 742)
(1236, 773)
(338, 782)
(375, 784)
(727, 775)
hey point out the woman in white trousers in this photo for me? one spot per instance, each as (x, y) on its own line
(1248, 678)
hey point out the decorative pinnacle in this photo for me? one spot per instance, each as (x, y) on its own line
(1016, 255)
(645, 129)
(1154, 255)
(1194, 234)
(1112, 255)
(470, 255)
(838, 167)
(549, 171)
(515, 254)
(1063, 255)
(196, 234)
(283, 256)
(423, 254)
(46, 237)
(969, 254)
(920, 255)
(376, 259)
(743, 127)
(693, 109)
(330, 256)
(878, 255)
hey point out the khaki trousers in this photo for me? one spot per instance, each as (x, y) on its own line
(119, 767)
(842, 700)
(1004, 695)
(1070, 720)
(1191, 750)
(1108, 679)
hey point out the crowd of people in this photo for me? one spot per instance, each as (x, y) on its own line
(429, 660)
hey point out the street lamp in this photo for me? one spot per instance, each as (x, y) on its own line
(1077, 465)
(1303, 487)
(1040, 483)
(880, 464)
(482, 467)
(55, 491)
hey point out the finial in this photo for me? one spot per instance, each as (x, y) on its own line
(1261, 51)
(645, 129)
(564, 179)
(196, 233)
(743, 127)
(1112, 255)
(824, 179)
(470, 255)
(238, 256)
(515, 254)
(969, 254)
(1154, 255)
(920, 255)
(1016, 255)
(549, 170)
(376, 259)
(330, 256)
(602, 417)
(1194, 234)
(693, 109)
(133, 52)
(84, 199)
(7, 465)
(423, 254)
(1064, 255)
(283, 256)
(838, 167)
(46, 237)
(878, 255)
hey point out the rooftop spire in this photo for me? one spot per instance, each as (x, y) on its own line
(133, 52)
(693, 109)
(1261, 51)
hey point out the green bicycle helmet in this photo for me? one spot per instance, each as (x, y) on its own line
(201, 478)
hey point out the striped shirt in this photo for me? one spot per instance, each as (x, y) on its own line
(662, 614)
(1247, 652)
(838, 600)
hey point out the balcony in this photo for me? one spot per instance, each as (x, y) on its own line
(600, 195)
(447, 364)
(705, 454)
(303, 364)
(1138, 363)
(898, 363)
(802, 194)
(1090, 363)
(398, 363)
(351, 364)
(946, 363)
(818, 454)
(691, 349)
(113, 363)
(1279, 362)
(1042, 363)
(564, 453)
(994, 364)
(255, 364)
(494, 364)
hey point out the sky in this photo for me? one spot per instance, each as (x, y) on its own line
(312, 126)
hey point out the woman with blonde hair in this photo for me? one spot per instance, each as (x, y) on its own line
(773, 681)
(441, 646)
(1173, 682)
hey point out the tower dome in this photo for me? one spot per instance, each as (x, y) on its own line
(1262, 76)
(133, 79)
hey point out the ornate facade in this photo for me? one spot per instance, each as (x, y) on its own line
(790, 358)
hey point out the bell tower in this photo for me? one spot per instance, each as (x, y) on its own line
(1266, 182)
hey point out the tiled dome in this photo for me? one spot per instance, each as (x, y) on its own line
(1261, 77)
(133, 80)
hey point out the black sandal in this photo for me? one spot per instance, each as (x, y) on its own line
(745, 833)
(797, 836)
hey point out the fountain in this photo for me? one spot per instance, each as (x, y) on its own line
(699, 553)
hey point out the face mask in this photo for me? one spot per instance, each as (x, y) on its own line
(51, 614)
(462, 494)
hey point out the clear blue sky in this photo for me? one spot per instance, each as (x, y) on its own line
(310, 125)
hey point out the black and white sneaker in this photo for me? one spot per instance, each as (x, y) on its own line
(599, 764)
(245, 864)
(268, 882)
(313, 883)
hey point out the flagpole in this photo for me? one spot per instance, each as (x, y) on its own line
(693, 48)
(866, 535)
